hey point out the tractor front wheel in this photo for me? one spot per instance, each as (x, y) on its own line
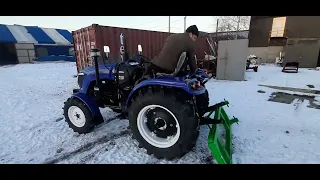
(164, 124)
(78, 116)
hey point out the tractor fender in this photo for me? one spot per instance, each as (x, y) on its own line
(94, 109)
(164, 82)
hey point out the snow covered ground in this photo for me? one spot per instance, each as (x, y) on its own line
(33, 130)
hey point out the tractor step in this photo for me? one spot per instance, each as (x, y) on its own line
(75, 90)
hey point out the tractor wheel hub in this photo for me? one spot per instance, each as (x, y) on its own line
(158, 126)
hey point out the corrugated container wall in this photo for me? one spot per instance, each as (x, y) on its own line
(96, 36)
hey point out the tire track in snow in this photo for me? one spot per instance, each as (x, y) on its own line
(204, 159)
(88, 146)
(90, 156)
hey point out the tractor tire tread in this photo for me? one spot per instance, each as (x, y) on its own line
(189, 123)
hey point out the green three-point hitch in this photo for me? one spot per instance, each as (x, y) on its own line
(220, 134)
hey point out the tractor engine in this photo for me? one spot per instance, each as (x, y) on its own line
(115, 93)
(109, 97)
(128, 74)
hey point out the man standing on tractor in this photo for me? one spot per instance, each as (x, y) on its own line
(166, 61)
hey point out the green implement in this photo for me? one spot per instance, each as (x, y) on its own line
(220, 135)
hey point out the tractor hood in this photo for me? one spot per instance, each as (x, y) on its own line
(102, 67)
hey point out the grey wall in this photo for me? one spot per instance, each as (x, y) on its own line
(25, 53)
(259, 31)
(302, 50)
(296, 27)
(267, 54)
(232, 56)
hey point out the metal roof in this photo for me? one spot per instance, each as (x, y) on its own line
(34, 34)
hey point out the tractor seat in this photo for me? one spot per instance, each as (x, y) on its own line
(180, 63)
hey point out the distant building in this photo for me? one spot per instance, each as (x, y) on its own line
(296, 37)
(24, 44)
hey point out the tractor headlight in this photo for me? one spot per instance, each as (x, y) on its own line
(80, 78)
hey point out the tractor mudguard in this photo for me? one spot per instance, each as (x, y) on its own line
(90, 104)
(167, 82)
(220, 135)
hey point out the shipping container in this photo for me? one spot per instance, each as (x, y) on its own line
(96, 36)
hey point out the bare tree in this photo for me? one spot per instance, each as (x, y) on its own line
(233, 23)
(229, 27)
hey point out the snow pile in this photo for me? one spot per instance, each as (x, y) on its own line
(33, 130)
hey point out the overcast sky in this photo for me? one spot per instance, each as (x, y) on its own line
(156, 23)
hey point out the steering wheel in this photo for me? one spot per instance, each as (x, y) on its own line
(144, 59)
(131, 61)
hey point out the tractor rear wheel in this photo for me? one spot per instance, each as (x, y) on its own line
(78, 116)
(164, 124)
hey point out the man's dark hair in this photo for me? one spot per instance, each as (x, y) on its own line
(193, 30)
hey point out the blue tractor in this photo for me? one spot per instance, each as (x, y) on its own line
(164, 110)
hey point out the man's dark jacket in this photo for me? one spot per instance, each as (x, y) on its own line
(169, 55)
